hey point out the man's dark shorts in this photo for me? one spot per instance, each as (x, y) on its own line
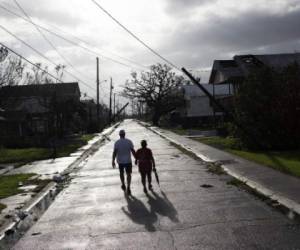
(127, 167)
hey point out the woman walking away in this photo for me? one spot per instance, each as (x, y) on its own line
(145, 161)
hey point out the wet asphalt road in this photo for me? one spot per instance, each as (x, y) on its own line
(93, 212)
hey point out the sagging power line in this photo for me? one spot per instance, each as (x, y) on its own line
(33, 64)
(135, 36)
(43, 56)
(91, 51)
(47, 40)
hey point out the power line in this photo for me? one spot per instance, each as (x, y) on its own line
(41, 54)
(33, 64)
(135, 37)
(74, 43)
(47, 40)
(75, 37)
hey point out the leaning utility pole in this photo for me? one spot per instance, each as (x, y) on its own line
(97, 59)
(222, 108)
(209, 95)
(110, 101)
(121, 110)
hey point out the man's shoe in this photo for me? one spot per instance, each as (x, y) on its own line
(150, 187)
(123, 187)
(128, 191)
(145, 190)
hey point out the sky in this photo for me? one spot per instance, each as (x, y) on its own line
(189, 33)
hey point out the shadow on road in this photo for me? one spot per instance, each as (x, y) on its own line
(139, 214)
(163, 206)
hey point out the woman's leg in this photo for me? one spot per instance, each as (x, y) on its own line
(143, 177)
(149, 177)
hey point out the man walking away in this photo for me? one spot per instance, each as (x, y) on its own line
(122, 150)
(145, 161)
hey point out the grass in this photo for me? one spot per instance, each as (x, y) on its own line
(9, 184)
(25, 155)
(179, 131)
(2, 206)
(215, 169)
(220, 142)
(285, 161)
(87, 137)
(235, 182)
(182, 131)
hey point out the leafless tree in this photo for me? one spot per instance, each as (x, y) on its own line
(11, 68)
(157, 88)
(60, 71)
(37, 75)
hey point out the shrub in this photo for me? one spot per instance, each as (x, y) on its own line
(268, 108)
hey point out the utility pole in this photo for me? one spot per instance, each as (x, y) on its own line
(97, 59)
(214, 108)
(114, 113)
(110, 101)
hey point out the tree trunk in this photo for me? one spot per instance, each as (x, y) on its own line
(155, 118)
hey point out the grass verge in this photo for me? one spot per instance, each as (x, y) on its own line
(25, 155)
(9, 184)
(2, 206)
(285, 161)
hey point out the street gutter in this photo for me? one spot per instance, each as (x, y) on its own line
(16, 226)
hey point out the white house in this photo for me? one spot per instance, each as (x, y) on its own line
(198, 106)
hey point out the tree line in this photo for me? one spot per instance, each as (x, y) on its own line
(14, 71)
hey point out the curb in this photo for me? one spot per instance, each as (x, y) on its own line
(35, 208)
(28, 216)
(292, 206)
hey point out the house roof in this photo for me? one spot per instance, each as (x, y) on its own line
(272, 60)
(228, 68)
(241, 65)
(61, 89)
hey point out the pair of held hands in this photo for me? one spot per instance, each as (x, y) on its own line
(135, 162)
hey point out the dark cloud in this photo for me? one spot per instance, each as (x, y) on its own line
(197, 45)
(181, 7)
(247, 29)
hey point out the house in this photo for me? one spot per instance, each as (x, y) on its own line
(38, 110)
(93, 124)
(198, 108)
(234, 71)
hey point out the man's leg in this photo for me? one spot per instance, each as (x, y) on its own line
(121, 168)
(128, 173)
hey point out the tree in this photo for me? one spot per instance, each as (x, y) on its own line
(13, 72)
(268, 107)
(157, 88)
(37, 75)
(11, 68)
(60, 71)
